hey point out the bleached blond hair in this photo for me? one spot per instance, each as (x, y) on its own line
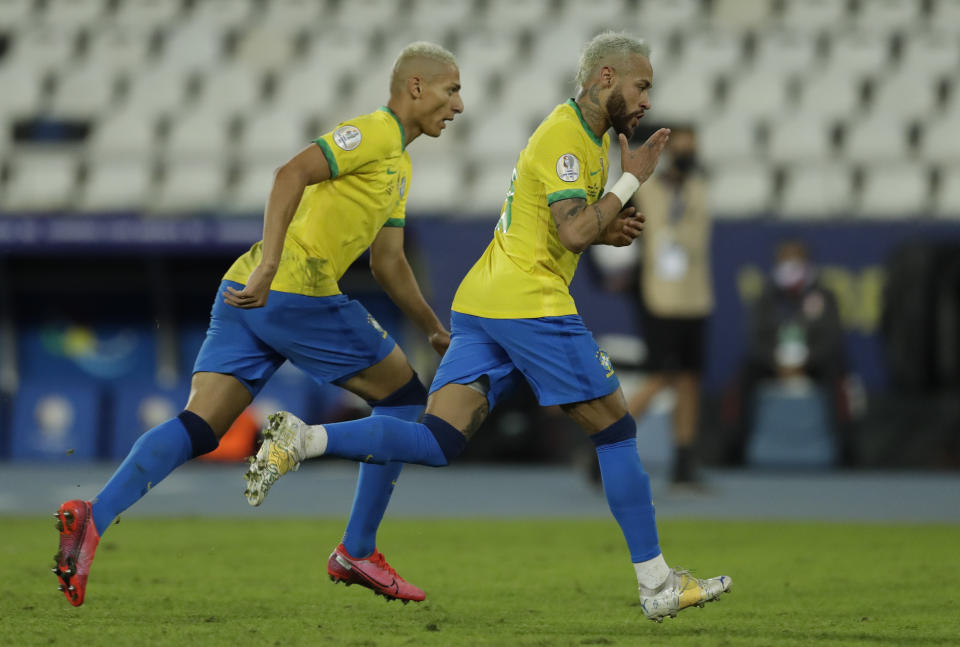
(607, 45)
(418, 49)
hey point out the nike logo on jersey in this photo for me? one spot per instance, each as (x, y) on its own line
(391, 172)
(594, 172)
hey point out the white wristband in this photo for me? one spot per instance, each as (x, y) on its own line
(625, 187)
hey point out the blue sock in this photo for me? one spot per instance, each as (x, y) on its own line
(627, 488)
(376, 482)
(155, 454)
(381, 439)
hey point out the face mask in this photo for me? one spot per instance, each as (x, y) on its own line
(684, 162)
(790, 274)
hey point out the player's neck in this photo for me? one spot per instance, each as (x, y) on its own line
(411, 129)
(592, 110)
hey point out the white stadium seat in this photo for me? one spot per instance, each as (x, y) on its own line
(82, 93)
(193, 45)
(293, 13)
(800, 137)
(740, 14)
(816, 191)
(712, 52)
(880, 137)
(947, 200)
(760, 95)
(859, 53)
(140, 13)
(190, 187)
(231, 89)
(42, 47)
(894, 191)
(945, 15)
(438, 184)
(117, 185)
(832, 96)
(249, 194)
(488, 188)
(71, 13)
(14, 13)
(227, 14)
(199, 135)
(40, 181)
(21, 91)
(275, 135)
(813, 15)
(785, 51)
(907, 95)
(265, 46)
(741, 190)
(731, 138)
(118, 49)
(669, 16)
(684, 95)
(532, 94)
(125, 135)
(595, 15)
(491, 136)
(884, 16)
(940, 139)
(930, 54)
(156, 91)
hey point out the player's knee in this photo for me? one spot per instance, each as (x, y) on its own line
(623, 429)
(410, 394)
(202, 437)
(451, 441)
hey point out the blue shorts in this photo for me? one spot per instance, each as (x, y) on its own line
(329, 338)
(556, 355)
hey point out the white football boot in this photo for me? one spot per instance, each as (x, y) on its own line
(679, 591)
(281, 452)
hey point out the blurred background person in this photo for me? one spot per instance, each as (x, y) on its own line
(675, 294)
(794, 337)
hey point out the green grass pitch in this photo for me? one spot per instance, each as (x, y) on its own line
(191, 582)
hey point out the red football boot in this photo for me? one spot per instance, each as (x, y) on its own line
(372, 572)
(78, 543)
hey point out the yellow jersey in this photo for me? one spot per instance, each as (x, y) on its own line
(526, 271)
(338, 219)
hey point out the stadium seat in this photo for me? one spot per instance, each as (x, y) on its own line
(362, 18)
(740, 14)
(112, 48)
(293, 13)
(895, 191)
(945, 15)
(273, 136)
(833, 95)
(730, 138)
(815, 191)
(496, 137)
(82, 93)
(596, 15)
(760, 95)
(156, 91)
(707, 53)
(439, 16)
(685, 95)
(885, 16)
(514, 16)
(370, 91)
(21, 91)
(70, 13)
(670, 16)
(800, 137)
(114, 185)
(880, 137)
(947, 200)
(489, 187)
(265, 46)
(858, 53)
(14, 13)
(193, 45)
(939, 139)
(890, 91)
(531, 95)
(133, 13)
(202, 134)
(740, 190)
(40, 181)
(249, 193)
(138, 406)
(55, 421)
(930, 54)
(189, 187)
(786, 51)
(42, 47)
(481, 53)
(124, 135)
(813, 16)
(231, 90)
(227, 14)
(437, 185)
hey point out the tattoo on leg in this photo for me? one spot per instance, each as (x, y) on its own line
(476, 419)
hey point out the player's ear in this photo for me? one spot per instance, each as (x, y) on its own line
(607, 76)
(415, 86)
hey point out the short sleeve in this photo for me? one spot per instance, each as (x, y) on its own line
(355, 143)
(398, 217)
(558, 163)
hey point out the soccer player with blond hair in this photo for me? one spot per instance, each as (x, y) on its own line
(341, 195)
(514, 319)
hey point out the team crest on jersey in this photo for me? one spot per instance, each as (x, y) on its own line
(568, 167)
(376, 324)
(347, 137)
(604, 360)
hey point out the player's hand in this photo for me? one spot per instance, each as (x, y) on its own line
(440, 341)
(254, 294)
(623, 229)
(643, 160)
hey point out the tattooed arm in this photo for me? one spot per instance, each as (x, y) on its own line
(580, 224)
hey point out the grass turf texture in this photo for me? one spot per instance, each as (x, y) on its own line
(220, 582)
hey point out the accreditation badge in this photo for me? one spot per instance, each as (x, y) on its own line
(672, 260)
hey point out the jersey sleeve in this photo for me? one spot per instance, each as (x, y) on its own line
(558, 163)
(355, 143)
(398, 217)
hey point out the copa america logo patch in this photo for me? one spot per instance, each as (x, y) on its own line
(347, 137)
(568, 167)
